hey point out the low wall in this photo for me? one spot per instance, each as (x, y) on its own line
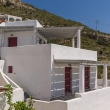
(100, 82)
(2, 64)
(54, 105)
(18, 95)
(93, 100)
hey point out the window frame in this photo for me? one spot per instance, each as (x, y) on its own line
(10, 69)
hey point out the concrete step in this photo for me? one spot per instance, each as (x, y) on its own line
(65, 97)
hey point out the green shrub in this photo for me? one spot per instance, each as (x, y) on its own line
(20, 105)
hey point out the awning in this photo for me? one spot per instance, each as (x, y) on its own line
(83, 62)
(58, 32)
(49, 33)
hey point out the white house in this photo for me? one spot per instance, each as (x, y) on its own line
(53, 74)
(18, 94)
(18, 32)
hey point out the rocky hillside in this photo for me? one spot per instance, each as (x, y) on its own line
(91, 39)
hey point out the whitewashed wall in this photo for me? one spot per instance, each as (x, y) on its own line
(31, 69)
(59, 52)
(18, 95)
(2, 64)
(2, 24)
(54, 105)
(93, 77)
(100, 82)
(58, 80)
(23, 38)
(75, 79)
(24, 23)
(38, 24)
(1, 40)
(3, 81)
(93, 100)
(69, 53)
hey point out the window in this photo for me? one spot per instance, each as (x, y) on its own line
(10, 69)
(12, 41)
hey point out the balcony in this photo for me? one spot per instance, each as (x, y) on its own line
(65, 53)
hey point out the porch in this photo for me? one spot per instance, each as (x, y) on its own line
(82, 78)
(88, 100)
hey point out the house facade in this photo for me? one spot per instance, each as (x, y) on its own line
(18, 32)
(45, 68)
(55, 67)
(18, 94)
(51, 72)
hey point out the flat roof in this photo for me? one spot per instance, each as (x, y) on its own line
(83, 62)
(16, 28)
(58, 32)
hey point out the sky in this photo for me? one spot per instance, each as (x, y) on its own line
(85, 11)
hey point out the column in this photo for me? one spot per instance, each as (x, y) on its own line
(81, 79)
(79, 38)
(105, 83)
(95, 77)
(73, 42)
(34, 38)
(36, 35)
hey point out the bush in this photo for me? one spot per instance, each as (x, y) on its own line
(20, 105)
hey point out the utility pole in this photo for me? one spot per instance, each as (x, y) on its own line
(96, 24)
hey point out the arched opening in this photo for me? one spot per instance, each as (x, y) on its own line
(11, 19)
(18, 19)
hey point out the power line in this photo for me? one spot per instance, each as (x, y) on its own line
(103, 24)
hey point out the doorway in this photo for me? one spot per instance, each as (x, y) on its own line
(87, 77)
(67, 79)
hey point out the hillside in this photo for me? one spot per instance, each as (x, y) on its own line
(91, 39)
